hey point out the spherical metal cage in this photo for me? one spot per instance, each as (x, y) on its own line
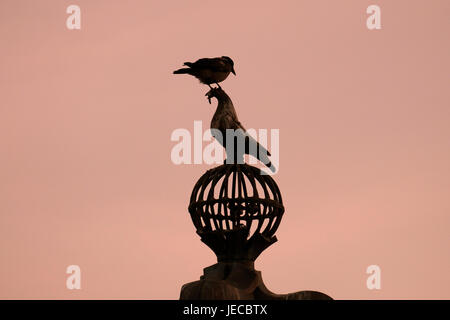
(236, 196)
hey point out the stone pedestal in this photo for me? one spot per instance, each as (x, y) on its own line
(238, 281)
(236, 211)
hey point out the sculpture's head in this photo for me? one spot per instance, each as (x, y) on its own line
(217, 93)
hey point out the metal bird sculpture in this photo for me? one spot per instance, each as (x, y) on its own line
(225, 118)
(209, 70)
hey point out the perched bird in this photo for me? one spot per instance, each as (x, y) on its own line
(209, 70)
(225, 118)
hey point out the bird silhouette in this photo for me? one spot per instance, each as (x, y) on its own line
(209, 70)
(225, 118)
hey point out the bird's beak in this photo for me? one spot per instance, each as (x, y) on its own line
(209, 95)
(233, 72)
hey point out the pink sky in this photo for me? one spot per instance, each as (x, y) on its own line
(86, 118)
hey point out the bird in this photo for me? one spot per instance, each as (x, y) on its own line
(225, 117)
(209, 70)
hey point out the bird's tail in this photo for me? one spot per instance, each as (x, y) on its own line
(271, 167)
(260, 153)
(266, 161)
(182, 70)
(263, 155)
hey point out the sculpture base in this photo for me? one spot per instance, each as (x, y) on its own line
(238, 280)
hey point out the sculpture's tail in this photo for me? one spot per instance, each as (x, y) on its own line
(261, 153)
(271, 167)
(182, 71)
(264, 158)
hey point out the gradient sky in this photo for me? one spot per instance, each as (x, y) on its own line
(86, 117)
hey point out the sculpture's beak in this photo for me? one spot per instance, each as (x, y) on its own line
(232, 71)
(209, 94)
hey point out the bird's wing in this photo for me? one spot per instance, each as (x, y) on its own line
(253, 147)
(229, 120)
(213, 64)
(256, 144)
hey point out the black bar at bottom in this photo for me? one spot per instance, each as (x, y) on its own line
(175, 309)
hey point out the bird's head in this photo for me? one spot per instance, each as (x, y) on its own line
(217, 93)
(230, 62)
